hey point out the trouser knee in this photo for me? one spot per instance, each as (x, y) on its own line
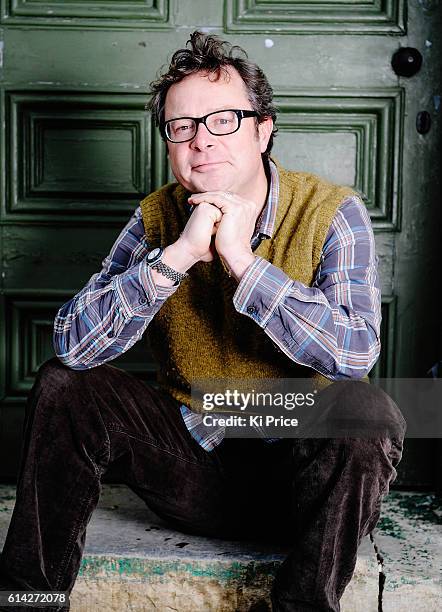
(55, 374)
(63, 408)
(357, 409)
(51, 382)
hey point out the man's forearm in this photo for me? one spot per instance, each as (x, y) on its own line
(309, 328)
(106, 318)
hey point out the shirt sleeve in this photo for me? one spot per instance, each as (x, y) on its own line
(334, 325)
(114, 308)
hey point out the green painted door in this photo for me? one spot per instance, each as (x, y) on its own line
(78, 152)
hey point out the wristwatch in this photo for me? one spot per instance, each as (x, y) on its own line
(154, 261)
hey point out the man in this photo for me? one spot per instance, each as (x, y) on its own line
(240, 269)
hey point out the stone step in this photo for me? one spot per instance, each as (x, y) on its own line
(134, 561)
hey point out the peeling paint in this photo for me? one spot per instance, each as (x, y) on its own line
(429, 5)
(151, 569)
(419, 508)
(231, 576)
(390, 527)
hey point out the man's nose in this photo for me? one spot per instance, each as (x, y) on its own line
(203, 139)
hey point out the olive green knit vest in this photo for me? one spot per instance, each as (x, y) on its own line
(198, 333)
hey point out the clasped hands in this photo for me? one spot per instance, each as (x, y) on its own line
(224, 222)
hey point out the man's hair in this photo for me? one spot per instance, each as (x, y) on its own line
(208, 53)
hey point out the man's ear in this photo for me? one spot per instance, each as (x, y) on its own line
(265, 130)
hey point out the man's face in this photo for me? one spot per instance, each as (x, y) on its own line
(208, 162)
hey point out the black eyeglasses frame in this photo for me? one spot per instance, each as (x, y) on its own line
(241, 114)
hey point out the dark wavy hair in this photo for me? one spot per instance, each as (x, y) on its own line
(208, 53)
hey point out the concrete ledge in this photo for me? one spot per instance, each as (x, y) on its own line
(134, 561)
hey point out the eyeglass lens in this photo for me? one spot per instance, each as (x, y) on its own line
(220, 123)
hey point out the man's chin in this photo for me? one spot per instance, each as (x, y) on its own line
(211, 184)
(217, 179)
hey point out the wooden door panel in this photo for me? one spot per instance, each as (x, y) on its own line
(75, 155)
(299, 17)
(62, 13)
(51, 257)
(78, 152)
(348, 137)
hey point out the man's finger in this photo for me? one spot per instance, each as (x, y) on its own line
(214, 210)
(217, 200)
(211, 193)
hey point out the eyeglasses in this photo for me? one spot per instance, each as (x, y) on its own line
(219, 123)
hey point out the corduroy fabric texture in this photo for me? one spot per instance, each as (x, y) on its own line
(198, 333)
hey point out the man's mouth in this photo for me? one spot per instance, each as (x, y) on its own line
(206, 166)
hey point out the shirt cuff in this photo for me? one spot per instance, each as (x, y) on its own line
(260, 291)
(137, 291)
(155, 292)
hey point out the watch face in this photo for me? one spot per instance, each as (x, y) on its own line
(154, 254)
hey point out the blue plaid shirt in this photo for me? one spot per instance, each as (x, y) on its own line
(333, 326)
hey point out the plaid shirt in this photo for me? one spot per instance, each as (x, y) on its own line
(332, 326)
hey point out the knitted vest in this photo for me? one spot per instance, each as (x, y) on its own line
(197, 333)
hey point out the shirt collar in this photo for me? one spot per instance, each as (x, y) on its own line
(266, 220)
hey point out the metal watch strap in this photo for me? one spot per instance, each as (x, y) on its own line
(169, 272)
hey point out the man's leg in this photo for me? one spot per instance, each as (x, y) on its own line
(337, 486)
(78, 424)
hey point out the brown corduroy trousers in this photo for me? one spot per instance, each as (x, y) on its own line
(322, 495)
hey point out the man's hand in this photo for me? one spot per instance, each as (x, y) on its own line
(195, 243)
(196, 239)
(235, 229)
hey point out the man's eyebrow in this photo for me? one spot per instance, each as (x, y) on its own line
(218, 108)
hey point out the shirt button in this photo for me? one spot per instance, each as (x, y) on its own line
(252, 310)
(142, 301)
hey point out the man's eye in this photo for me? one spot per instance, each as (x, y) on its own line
(182, 128)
